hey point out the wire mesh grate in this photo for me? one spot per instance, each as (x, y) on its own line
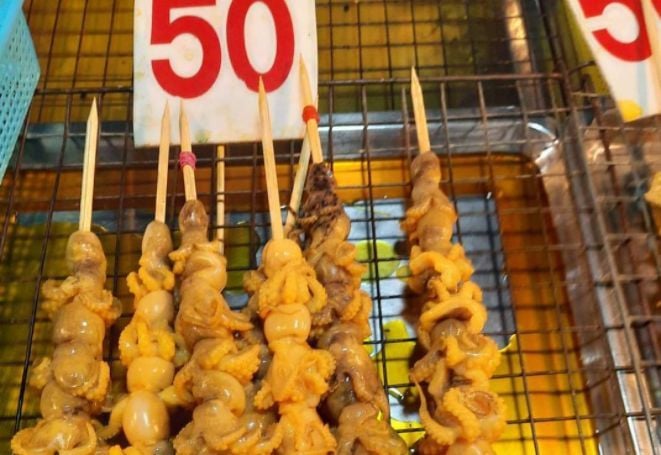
(546, 180)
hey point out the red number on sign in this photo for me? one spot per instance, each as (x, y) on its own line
(164, 31)
(236, 44)
(635, 51)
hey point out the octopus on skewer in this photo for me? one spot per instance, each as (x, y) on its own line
(75, 380)
(216, 381)
(148, 349)
(356, 404)
(148, 346)
(297, 374)
(457, 409)
(285, 294)
(356, 399)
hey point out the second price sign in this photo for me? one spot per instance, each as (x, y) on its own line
(616, 31)
(211, 53)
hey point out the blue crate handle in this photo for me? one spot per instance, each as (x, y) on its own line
(19, 74)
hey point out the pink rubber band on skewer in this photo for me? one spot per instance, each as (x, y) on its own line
(187, 159)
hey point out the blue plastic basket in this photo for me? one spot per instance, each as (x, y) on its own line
(19, 74)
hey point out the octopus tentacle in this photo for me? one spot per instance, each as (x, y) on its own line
(41, 373)
(242, 365)
(114, 425)
(442, 435)
(447, 269)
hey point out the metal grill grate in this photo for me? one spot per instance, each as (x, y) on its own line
(546, 180)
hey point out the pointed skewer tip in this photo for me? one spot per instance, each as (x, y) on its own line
(166, 111)
(94, 112)
(414, 77)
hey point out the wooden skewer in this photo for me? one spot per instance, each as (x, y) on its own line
(89, 166)
(649, 16)
(189, 173)
(419, 113)
(312, 126)
(269, 165)
(220, 201)
(163, 156)
(299, 183)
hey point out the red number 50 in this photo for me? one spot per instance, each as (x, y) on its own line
(164, 31)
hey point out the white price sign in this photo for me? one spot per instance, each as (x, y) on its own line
(211, 53)
(618, 37)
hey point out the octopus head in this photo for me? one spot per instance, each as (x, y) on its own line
(209, 266)
(55, 402)
(74, 365)
(60, 435)
(221, 386)
(145, 419)
(278, 253)
(213, 415)
(435, 230)
(447, 328)
(193, 215)
(85, 255)
(288, 321)
(149, 373)
(155, 308)
(358, 413)
(157, 239)
(76, 322)
(426, 164)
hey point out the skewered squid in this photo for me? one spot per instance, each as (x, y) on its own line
(75, 380)
(286, 292)
(356, 399)
(216, 380)
(459, 412)
(148, 348)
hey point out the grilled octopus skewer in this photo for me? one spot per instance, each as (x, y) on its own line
(356, 395)
(356, 404)
(75, 380)
(286, 292)
(148, 346)
(458, 410)
(216, 381)
(149, 349)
